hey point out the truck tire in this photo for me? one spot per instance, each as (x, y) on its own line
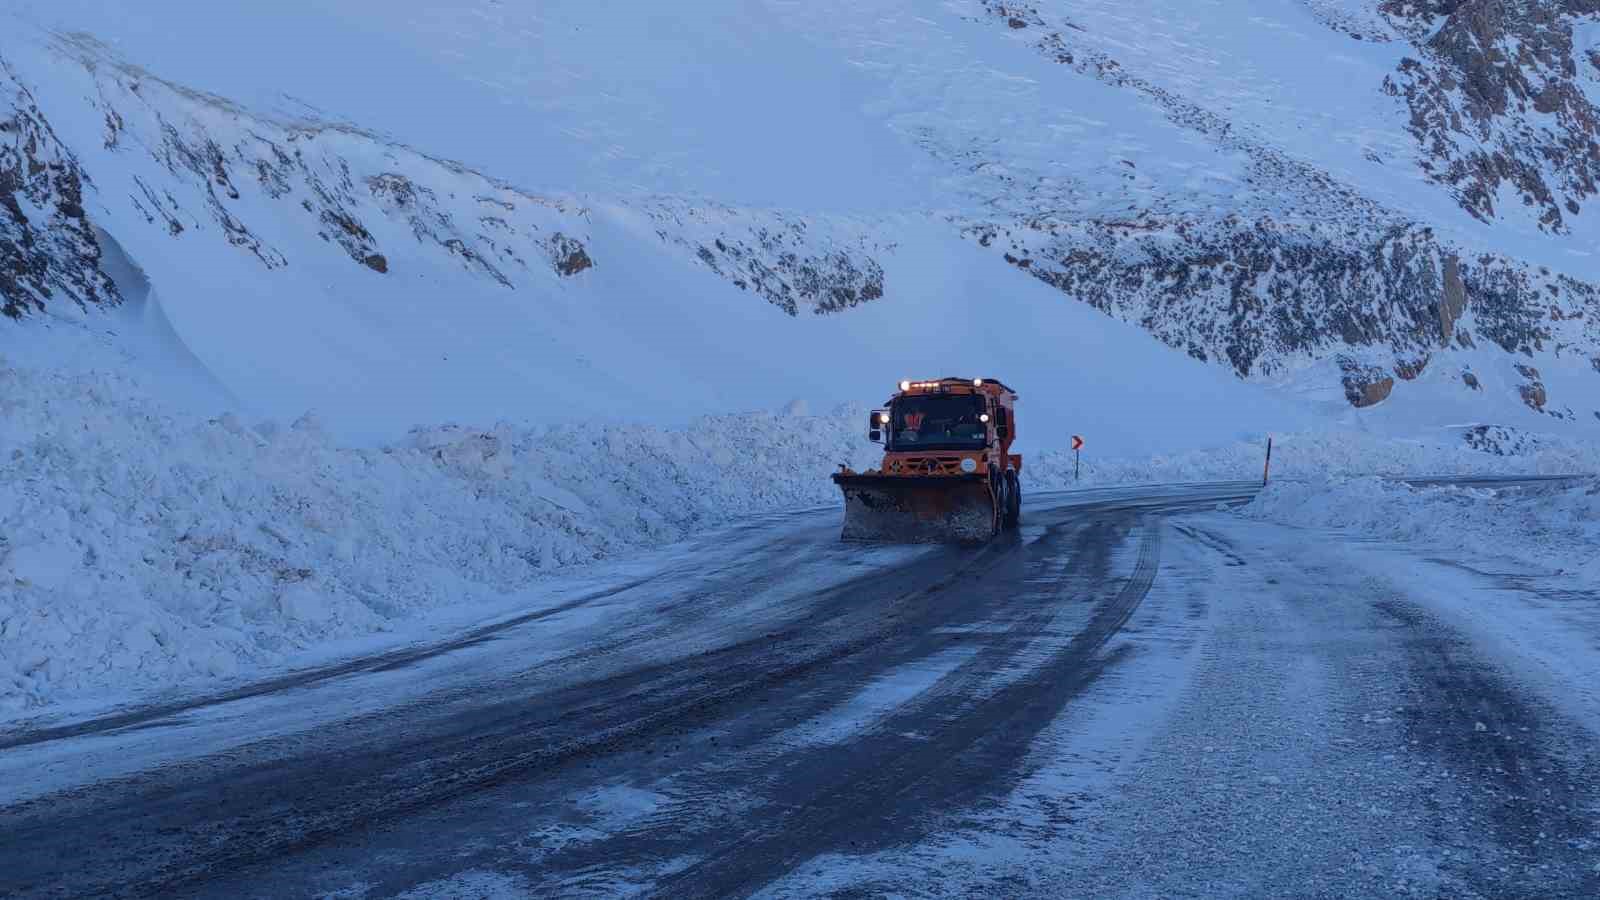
(1013, 499)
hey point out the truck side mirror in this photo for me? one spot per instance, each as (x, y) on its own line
(1003, 432)
(875, 436)
(875, 423)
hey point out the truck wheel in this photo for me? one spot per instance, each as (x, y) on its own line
(1013, 499)
(1002, 499)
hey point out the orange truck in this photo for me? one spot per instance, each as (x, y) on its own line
(948, 473)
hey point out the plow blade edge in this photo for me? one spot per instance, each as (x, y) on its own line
(917, 509)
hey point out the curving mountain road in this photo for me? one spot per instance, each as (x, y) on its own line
(1136, 695)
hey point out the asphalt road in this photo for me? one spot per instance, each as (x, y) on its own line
(1134, 696)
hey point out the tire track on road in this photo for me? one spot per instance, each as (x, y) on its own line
(1505, 770)
(178, 835)
(973, 752)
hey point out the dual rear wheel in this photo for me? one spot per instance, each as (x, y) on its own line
(1008, 496)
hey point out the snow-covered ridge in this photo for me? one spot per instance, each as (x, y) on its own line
(201, 162)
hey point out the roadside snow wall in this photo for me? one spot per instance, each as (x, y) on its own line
(1556, 526)
(140, 546)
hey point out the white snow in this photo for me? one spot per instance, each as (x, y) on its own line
(220, 476)
(1555, 527)
(142, 545)
(1517, 570)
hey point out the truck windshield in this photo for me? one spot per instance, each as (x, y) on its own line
(939, 422)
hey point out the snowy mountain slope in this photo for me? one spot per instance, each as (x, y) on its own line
(410, 289)
(1233, 180)
(1327, 242)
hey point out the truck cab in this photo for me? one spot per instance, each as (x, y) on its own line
(947, 464)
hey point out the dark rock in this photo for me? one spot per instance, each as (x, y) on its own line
(1452, 300)
(1365, 385)
(1500, 440)
(1409, 370)
(376, 263)
(568, 255)
(53, 256)
(1533, 394)
(776, 264)
(1471, 381)
(1532, 391)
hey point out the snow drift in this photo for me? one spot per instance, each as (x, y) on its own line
(142, 545)
(1556, 527)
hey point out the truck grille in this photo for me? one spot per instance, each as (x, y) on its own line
(926, 465)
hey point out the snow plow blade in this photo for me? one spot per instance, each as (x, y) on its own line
(917, 509)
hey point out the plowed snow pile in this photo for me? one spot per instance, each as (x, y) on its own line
(138, 545)
(141, 545)
(1556, 526)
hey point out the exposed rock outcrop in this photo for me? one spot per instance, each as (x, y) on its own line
(1500, 440)
(568, 255)
(1532, 389)
(1452, 299)
(1261, 295)
(1364, 385)
(48, 250)
(1410, 369)
(795, 264)
(1491, 74)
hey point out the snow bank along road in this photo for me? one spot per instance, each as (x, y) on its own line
(1137, 695)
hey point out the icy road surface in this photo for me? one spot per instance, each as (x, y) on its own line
(1139, 695)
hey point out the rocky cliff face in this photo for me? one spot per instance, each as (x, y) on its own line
(48, 251)
(1260, 296)
(1499, 102)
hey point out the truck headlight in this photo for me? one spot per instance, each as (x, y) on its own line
(969, 465)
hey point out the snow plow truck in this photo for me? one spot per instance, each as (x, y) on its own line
(948, 473)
